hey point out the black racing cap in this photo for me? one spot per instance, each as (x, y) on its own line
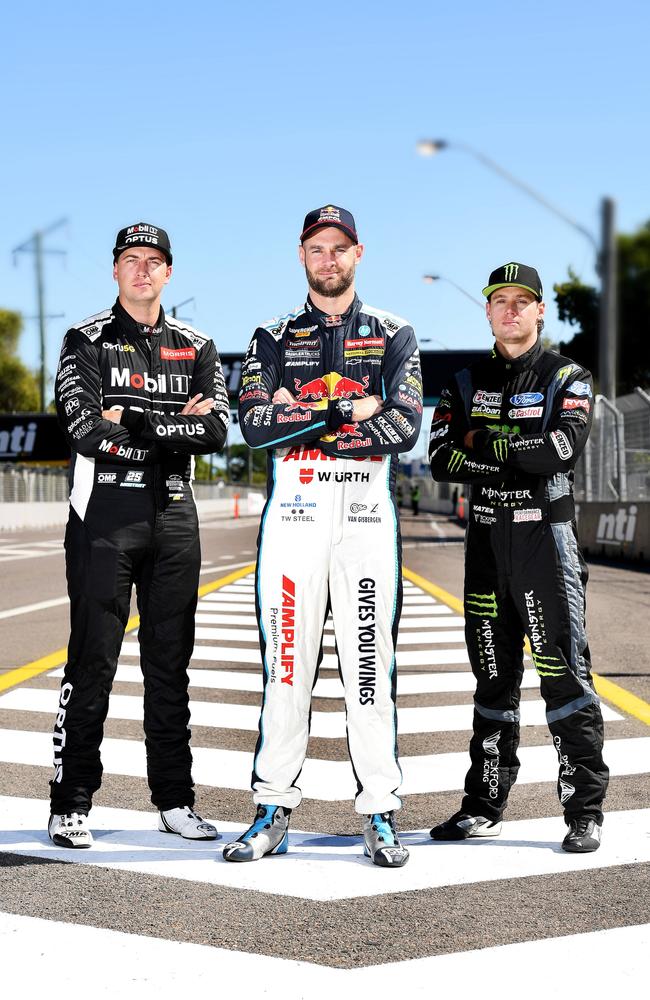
(329, 215)
(520, 275)
(143, 234)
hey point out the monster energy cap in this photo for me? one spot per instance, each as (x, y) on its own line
(515, 274)
(143, 234)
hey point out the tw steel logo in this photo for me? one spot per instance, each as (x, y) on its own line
(288, 629)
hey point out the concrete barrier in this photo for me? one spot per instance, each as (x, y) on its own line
(26, 516)
(617, 530)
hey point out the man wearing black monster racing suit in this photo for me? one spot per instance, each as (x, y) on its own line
(333, 391)
(513, 427)
(137, 394)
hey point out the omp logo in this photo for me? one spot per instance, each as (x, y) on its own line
(566, 791)
(511, 271)
(617, 527)
(491, 744)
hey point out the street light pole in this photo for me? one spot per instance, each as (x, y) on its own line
(430, 278)
(606, 258)
(607, 314)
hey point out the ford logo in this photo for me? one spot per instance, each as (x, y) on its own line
(527, 398)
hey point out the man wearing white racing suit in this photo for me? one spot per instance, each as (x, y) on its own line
(333, 391)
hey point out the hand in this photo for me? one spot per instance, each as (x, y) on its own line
(198, 409)
(113, 415)
(367, 407)
(283, 396)
(469, 439)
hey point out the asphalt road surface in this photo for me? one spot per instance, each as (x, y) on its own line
(145, 914)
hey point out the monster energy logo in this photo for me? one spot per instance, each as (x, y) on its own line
(484, 605)
(456, 461)
(501, 449)
(548, 666)
(512, 270)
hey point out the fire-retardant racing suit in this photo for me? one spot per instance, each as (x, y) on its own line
(329, 534)
(524, 571)
(132, 520)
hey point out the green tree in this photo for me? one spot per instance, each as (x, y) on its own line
(578, 304)
(18, 385)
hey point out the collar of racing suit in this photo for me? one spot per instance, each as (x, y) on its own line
(520, 364)
(132, 327)
(323, 317)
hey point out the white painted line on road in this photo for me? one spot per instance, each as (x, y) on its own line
(27, 609)
(221, 654)
(251, 635)
(325, 867)
(325, 780)
(326, 687)
(325, 725)
(219, 569)
(147, 968)
(208, 615)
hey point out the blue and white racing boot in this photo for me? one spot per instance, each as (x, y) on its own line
(268, 835)
(382, 844)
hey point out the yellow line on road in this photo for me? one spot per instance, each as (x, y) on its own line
(58, 658)
(629, 703)
(622, 699)
(434, 590)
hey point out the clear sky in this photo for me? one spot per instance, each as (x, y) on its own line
(226, 123)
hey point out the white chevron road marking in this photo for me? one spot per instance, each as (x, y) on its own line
(322, 867)
(325, 780)
(327, 725)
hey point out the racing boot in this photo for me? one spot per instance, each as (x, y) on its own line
(268, 835)
(461, 825)
(583, 836)
(186, 823)
(382, 844)
(70, 830)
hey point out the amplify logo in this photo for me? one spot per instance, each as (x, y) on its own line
(511, 272)
(491, 764)
(288, 629)
(484, 605)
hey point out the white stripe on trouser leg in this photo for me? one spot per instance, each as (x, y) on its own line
(363, 586)
(293, 569)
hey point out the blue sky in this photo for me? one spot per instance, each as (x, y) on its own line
(227, 124)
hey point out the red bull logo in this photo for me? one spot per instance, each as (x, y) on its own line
(351, 430)
(316, 389)
(347, 387)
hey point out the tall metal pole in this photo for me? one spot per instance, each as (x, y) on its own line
(40, 300)
(35, 245)
(607, 333)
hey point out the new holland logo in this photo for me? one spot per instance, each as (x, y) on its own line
(511, 271)
(491, 744)
(566, 791)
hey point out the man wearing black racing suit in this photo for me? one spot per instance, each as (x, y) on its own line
(513, 427)
(333, 391)
(138, 394)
